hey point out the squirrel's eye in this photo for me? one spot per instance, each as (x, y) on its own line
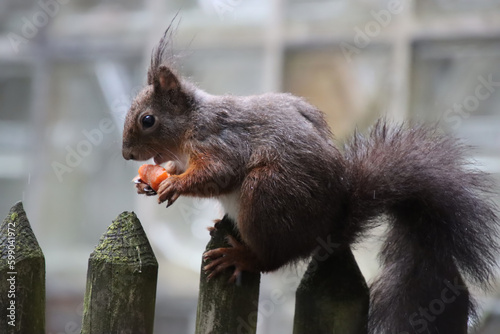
(148, 121)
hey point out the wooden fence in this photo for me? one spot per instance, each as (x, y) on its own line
(121, 286)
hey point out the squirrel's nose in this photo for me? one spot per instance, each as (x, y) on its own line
(127, 154)
(127, 150)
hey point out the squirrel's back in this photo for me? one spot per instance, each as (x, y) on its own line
(280, 116)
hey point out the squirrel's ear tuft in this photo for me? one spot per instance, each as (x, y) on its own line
(165, 80)
(150, 77)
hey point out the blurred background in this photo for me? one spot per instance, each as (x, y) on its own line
(69, 69)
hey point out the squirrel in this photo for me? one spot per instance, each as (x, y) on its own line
(272, 161)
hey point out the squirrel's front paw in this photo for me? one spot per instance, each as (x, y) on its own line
(142, 187)
(169, 190)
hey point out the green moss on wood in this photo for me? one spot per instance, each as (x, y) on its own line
(28, 271)
(125, 242)
(26, 244)
(121, 281)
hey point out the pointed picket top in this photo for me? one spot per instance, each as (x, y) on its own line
(327, 302)
(22, 267)
(21, 235)
(121, 281)
(125, 242)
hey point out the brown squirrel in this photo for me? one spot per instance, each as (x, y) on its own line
(272, 162)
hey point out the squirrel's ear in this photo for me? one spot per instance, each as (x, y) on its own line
(165, 80)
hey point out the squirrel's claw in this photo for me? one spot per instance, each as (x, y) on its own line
(168, 191)
(173, 199)
(143, 188)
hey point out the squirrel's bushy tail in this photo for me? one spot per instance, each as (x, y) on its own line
(442, 226)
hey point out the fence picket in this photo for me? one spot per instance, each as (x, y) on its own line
(121, 281)
(332, 297)
(121, 286)
(223, 307)
(22, 284)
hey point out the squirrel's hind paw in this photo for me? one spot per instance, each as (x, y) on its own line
(237, 256)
